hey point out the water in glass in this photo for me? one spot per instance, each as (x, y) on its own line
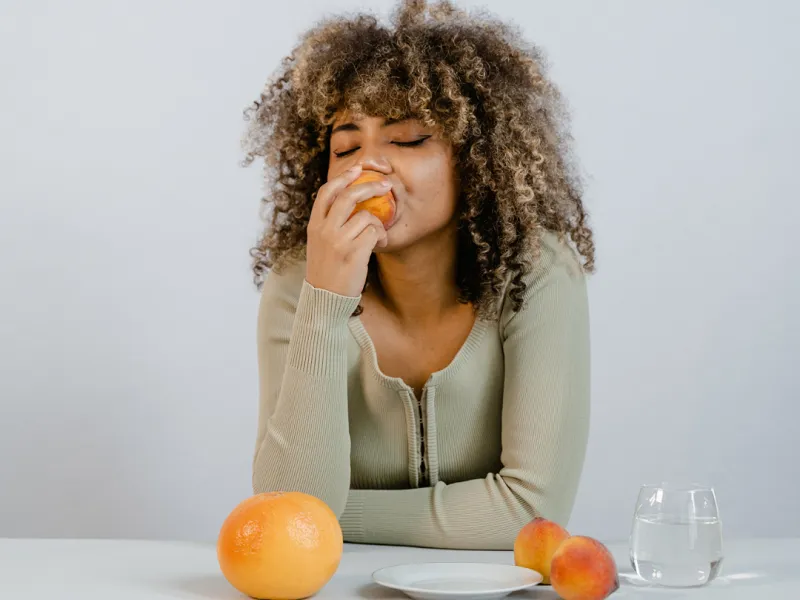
(676, 539)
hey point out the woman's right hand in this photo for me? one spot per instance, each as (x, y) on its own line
(339, 246)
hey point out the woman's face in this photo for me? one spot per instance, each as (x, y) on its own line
(417, 161)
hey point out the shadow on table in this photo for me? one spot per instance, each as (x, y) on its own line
(630, 581)
(205, 587)
(373, 591)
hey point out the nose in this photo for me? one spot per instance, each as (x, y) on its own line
(375, 161)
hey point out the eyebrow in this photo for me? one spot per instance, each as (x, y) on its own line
(353, 127)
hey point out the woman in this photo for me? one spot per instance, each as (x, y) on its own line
(430, 380)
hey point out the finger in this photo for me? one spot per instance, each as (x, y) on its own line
(360, 221)
(366, 241)
(346, 200)
(328, 192)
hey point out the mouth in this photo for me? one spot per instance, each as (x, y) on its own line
(398, 202)
(396, 214)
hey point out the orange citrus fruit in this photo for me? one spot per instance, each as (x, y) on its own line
(280, 546)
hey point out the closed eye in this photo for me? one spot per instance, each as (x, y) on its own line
(414, 143)
(418, 142)
(345, 153)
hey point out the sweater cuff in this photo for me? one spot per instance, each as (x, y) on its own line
(319, 335)
(352, 520)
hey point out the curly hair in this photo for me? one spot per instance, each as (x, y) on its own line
(472, 78)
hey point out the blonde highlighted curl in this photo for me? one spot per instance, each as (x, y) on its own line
(471, 77)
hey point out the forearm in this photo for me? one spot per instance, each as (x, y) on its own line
(483, 514)
(305, 443)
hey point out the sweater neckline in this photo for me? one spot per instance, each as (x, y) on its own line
(364, 340)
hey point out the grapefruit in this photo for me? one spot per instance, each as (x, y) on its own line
(280, 546)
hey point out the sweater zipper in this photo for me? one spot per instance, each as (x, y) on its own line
(424, 479)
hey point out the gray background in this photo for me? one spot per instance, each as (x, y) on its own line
(127, 313)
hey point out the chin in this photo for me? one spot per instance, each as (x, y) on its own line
(388, 249)
(398, 240)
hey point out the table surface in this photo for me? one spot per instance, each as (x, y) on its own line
(158, 570)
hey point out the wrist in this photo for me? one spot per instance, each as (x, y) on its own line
(319, 333)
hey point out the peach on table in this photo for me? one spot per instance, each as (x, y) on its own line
(577, 567)
(536, 543)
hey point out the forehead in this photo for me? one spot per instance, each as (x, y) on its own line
(347, 116)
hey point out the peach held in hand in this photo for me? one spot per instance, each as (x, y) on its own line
(383, 207)
(583, 569)
(536, 543)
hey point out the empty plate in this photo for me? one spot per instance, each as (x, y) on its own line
(440, 581)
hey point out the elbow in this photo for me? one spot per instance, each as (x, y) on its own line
(532, 503)
(329, 490)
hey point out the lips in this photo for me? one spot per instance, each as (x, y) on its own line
(394, 218)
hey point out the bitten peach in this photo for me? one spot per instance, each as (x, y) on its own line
(383, 206)
(536, 543)
(583, 569)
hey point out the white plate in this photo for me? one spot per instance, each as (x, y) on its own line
(440, 581)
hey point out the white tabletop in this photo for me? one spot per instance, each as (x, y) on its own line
(125, 569)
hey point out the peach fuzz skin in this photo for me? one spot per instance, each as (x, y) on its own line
(383, 207)
(583, 569)
(536, 543)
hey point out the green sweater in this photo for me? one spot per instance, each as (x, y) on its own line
(505, 424)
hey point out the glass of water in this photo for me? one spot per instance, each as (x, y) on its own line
(676, 539)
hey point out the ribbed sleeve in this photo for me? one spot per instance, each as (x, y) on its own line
(303, 441)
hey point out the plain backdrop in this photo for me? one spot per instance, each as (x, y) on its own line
(127, 310)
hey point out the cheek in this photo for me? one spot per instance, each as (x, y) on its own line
(332, 172)
(434, 188)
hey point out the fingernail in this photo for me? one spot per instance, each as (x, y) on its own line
(386, 183)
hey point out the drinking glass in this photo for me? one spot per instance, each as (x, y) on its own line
(676, 538)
